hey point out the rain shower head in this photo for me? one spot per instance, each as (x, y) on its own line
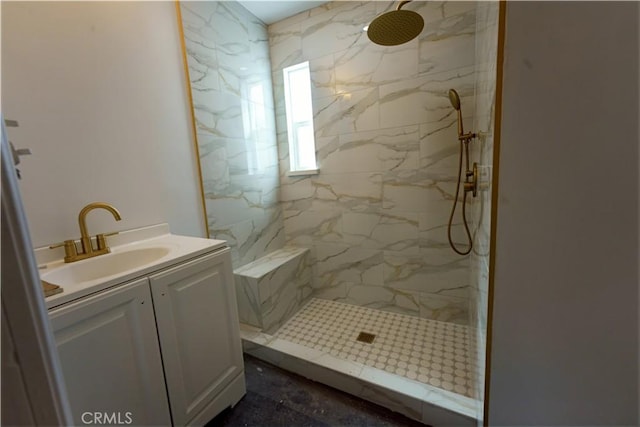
(454, 98)
(395, 27)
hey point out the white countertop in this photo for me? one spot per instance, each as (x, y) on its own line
(172, 248)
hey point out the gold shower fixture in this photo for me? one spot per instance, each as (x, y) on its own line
(395, 27)
(400, 26)
(471, 175)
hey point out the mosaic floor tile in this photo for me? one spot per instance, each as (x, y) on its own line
(423, 350)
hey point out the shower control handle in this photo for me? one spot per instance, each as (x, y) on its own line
(471, 180)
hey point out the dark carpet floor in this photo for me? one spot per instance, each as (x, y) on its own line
(276, 397)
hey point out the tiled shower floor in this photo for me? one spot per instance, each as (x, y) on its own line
(406, 368)
(427, 351)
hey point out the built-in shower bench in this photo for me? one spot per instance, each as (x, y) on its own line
(273, 288)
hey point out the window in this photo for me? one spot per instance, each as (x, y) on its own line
(297, 93)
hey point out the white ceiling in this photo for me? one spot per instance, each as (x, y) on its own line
(273, 11)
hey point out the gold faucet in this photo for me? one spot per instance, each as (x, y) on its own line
(87, 249)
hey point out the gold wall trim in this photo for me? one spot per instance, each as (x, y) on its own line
(193, 117)
(494, 202)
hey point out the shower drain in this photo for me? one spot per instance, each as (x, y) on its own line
(366, 337)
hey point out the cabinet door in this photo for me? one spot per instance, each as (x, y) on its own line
(198, 328)
(110, 357)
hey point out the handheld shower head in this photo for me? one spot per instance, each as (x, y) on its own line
(395, 27)
(454, 98)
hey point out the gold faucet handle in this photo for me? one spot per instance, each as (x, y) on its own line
(70, 250)
(102, 242)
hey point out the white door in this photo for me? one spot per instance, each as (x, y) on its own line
(110, 357)
(197, 322)
(30, 366)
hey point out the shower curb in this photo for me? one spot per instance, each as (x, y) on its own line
(415, 400)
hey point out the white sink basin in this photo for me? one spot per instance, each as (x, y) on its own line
(134, 253)
(104, 266)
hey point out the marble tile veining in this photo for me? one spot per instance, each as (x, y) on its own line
(386, 149)
(375, 217)
(272, 288)
(230, 74)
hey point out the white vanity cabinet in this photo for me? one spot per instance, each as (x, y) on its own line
(110, 358)
(197, 320)
(161, 350)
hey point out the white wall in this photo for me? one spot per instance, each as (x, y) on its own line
(565, 325)
(99, 91)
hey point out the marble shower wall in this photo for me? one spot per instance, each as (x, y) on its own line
(484, 123)
(375, 217)
(228, 58)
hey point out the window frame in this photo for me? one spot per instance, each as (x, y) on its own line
(295, 166)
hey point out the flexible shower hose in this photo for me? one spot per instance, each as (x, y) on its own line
(464, 206)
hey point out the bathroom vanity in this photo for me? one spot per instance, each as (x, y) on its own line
(154, 344)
